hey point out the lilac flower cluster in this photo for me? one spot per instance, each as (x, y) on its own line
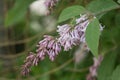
(51, 3)
(49, 46)
(94, 67)
(69, 36)
(28, 64)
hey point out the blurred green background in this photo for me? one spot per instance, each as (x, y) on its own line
(21, 30)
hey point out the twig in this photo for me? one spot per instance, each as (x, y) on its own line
(77, 70)
(51, 71)
(23, 53)
(23, 41)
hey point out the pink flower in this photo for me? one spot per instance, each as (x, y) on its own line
(63, 29)
(49, 46)
(51, 3)
(73, 35)
(28, 64)
(82, 24)
(94, 67)
(68, 37)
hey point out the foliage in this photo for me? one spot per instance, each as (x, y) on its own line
(17, 13)
(92, 36)
(105, 72)
(70, 12)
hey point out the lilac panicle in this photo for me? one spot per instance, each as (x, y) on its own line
(28, 64)
(94, 67)
(63, 29)
(81, 26)
(49, 46)
(68, 36)
(73, 36)
(51, 3)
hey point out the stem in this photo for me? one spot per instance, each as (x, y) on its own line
(51, 71)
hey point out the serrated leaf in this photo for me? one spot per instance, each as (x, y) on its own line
(101, 6)
(70, 12)
(92, 36)
(116, 73)
(17, 13)
(107, 66)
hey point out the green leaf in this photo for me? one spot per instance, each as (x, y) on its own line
(118, 1)
(70, 12)
(101, 6)
(92, 36)
(17, 12)
(116, 73)
(107, 66)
